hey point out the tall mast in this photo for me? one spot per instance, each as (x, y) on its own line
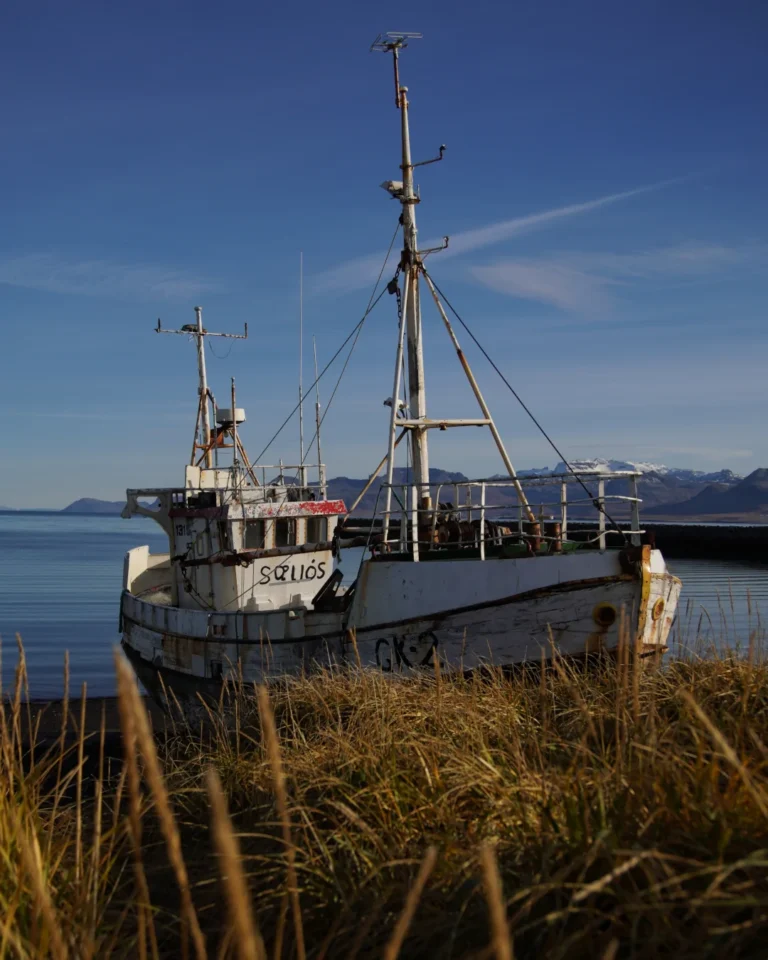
(301, 369)
(417, 398)
(412, 266)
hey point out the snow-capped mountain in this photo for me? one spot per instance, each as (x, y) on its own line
(601, 465)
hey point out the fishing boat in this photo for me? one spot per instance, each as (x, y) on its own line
(470, 573)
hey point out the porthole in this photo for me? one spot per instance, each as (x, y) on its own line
(604, 615)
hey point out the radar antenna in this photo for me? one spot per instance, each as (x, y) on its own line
(393, 43)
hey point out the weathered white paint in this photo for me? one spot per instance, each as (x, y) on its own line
(502, 611)
(266, 583)
(396, 590)
(144, 571)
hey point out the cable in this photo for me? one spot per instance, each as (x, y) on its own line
(368, 309)
(333, 393)
(354, 333)
(224, 357)
(371, 304)
(321, 375)
(519, 399)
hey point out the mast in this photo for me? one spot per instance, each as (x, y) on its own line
(302, 471)
(202, 390)
(417, 398)
(412, 267)
(204, 441)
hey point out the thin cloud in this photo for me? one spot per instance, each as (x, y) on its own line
(101, 278)
(107, 416)
(589, 282)
(360, 272)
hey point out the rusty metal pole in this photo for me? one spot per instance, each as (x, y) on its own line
(197, 427)
(481, 401)
(203, 388)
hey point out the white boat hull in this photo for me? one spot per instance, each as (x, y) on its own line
(399, 626)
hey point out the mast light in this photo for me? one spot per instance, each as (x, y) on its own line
(393, 187)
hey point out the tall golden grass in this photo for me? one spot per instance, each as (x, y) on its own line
(564, 812)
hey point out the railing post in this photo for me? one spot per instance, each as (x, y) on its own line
(564, 510)
(482, 521)
(415, 500)
(404, 520)
(601, 505)
(634, 512)
(435, 509)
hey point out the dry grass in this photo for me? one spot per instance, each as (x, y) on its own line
(563, 813)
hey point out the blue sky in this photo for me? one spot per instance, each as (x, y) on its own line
(603, 187)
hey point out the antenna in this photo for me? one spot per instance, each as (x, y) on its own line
(203, 421)
(392, 43)
(320, 477)
(302, 478)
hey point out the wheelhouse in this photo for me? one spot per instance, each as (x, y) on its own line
(264, 547)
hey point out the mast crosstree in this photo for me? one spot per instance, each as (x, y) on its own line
(410, 329)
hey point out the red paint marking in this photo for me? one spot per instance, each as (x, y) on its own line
(323, 507)
(312, 508)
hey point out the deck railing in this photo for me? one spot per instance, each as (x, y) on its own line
(409, 527)
(302, 471)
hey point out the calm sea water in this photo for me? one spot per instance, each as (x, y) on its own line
(61, 576)
(60, 582)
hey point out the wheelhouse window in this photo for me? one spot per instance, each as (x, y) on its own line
(317, 529)
(254, 537)
(285, 532)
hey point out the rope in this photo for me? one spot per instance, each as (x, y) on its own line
(516, 395)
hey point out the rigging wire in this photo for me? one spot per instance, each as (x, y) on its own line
(321, 375)
(368, 309)
(333, 393)
(355, 332)
(516, 395)
(218, 357)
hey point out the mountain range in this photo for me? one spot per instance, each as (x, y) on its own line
(90, 505)
(666, 492)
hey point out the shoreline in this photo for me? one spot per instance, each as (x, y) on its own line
(46, 716)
